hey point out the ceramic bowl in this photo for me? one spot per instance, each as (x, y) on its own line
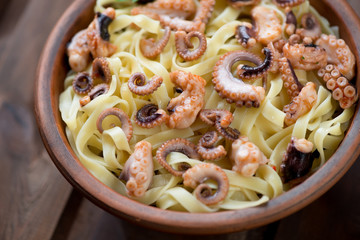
(51, 73)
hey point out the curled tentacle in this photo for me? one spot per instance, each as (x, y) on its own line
(126, 125)
(185, 107)
(214, 116)
(246, 157)
(176, 145)
(197, 175)
(206, 147)
(234, 89)
(288, 3)
(82, 83)
(95, 92)
(342, 90)
(246, 35)
(305, 57)
(291, 22)
(101, 70)
(301, 104)
(94, 40)
(137, 84)
(298, 159)
(311, 27)
(339, 54)
(248, 72)
(138, 170)
(241, 3)
(151, 49)
(150, 116)
(267, 23)
(231, 134)
(183, 45)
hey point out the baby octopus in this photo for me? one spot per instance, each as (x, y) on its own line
(246, 157)
(138, 170)
(197, 175)
(137, 84)
(342, 90)
(297, 160)
(183, 45)
(150, 116)
(92, 41)
(176, 145)
(305, 57)
(338, 54)
(206, 147)
(185, 107)
(234, 90)
(151, 49)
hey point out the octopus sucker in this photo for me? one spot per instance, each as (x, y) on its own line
(101, 70)
(342, 90)
(242, 3)
(150, 116)
(176, 145)
(93, 41)
(288, 3)
(138, 170)
(151, 49)
(95, 92)
(233, 89)
(82, 83)
(297, 160)
(207, 149)
(338, 54)
(185, 107)
(245, 35)
(305, 57)
(268, 25)
(301, 104)
(311, 28)
(183, 45)
(137, 84)
(126, 125)
(248, 72)
(291, 82)
(196, 176)
(246, 157)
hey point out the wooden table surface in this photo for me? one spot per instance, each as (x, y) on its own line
(37, 203)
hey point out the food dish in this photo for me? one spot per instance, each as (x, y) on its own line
(309, 179)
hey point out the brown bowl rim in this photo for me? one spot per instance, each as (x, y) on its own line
(69, 165)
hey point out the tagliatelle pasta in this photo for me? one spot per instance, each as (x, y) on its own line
(105, 154)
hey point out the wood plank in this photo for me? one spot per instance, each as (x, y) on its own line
(33, 192)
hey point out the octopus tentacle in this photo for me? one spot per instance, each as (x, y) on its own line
(342, 90)
(288, 3)
(183, 44)
(241, 3)
(95, 92)
(231, 134)
(291, 22)
(297, 160)
(185, 107)
(248, 72)
(246, 157)
(126, 125)
(311, 28)
(267, 23)
(101, 70)
(82, 83)
(206, 147)
(94, 40)
(151, 49)
(197, 175)
(306, 57)
(245, 35)
(150, 116)
(137, 84)
(138, 170)
(234, 89)
(175, 145)
(339, 54)
(301, 104)
(291, 82)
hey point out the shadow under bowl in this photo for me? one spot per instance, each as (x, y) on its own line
(51, 73)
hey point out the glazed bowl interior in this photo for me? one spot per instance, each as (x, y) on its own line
(52, 70)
